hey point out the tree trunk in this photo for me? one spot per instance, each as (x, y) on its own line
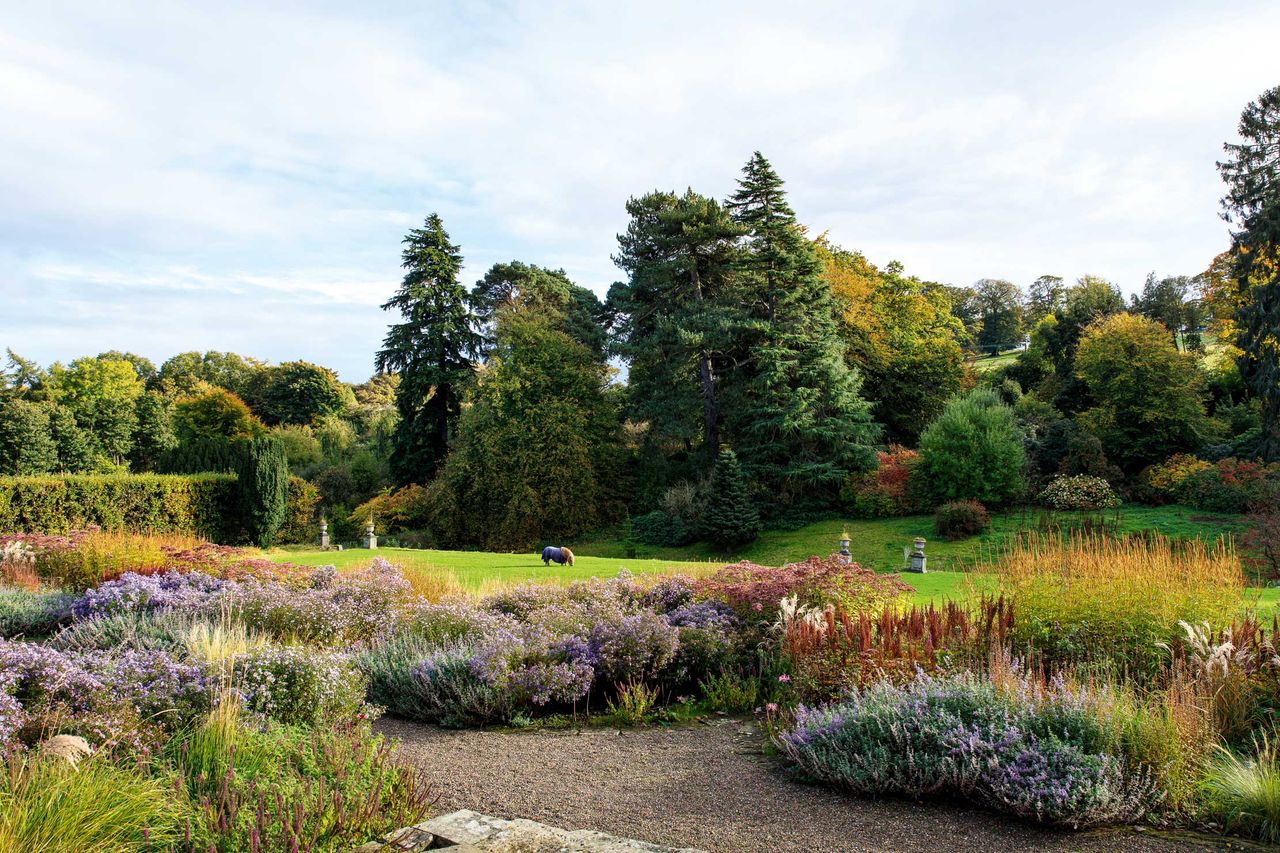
(706, 379)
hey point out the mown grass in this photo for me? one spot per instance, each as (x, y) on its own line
(877, 544)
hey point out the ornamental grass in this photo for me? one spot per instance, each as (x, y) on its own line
(1113, 602)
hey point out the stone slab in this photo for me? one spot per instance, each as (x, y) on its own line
(496, 835)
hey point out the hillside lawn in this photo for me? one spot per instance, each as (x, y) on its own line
(875, 543)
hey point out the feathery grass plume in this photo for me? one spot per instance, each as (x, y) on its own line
(70, 748)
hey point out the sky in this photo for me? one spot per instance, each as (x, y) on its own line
(239, 176)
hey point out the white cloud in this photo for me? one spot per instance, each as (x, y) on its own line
(256, 165)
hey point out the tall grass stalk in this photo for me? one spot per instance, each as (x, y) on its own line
(1095, 597)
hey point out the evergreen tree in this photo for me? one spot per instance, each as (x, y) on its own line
(1252, 204)
(729, 519)
(25, 444)
(801, 427)
(676, 317)
(432, 350)
(74, 446)
(263, 489)
(154, 436)
(974, 451)
(526, 287)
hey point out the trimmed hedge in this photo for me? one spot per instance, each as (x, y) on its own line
(203, 505)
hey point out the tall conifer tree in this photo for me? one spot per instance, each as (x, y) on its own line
(1252, 203)
(675, 317)
(801, 427)
(432, 350)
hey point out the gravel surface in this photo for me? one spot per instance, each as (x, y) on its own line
(708, 786)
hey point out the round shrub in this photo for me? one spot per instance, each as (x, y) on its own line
(1081, 492)
(299, 686)
(961, 519)
(973, 451)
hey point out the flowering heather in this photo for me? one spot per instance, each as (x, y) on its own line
(702, 614)
(750, 588)
(10, 710)
(1041, 753)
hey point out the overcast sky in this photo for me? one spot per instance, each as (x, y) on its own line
(238, 176)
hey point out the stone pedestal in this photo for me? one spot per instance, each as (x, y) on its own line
(324, 533)
(369, 540)
(917, 560)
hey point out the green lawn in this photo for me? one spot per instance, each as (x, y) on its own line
(876, 544)
(474, 567)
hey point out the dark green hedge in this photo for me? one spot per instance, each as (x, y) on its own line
(199, 504)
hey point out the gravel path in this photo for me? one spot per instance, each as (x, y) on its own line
(707, 786)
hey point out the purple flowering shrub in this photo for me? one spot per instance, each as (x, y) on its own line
(1041, 753)
(299, 686)
(331, 609)
(131, 592)
(125, 697)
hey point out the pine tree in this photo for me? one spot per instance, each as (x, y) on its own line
(263, 488)
(729, 519)
(1252, 174)
(676, 318)
(432, 350)
(801, 427)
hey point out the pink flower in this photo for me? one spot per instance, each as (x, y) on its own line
(757, 607)
(772, 707)
(784, 678)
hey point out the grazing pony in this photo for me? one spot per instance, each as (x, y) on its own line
(558, 555)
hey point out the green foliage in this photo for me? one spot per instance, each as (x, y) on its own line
(973, 451)
(902, 336)
(301, 447)
(526, 287)
(729, 519)
(633, 705)
(31, 614)
(215, 415)
(263, 489)
(999, 306)
(189, 373)
(1244, 793)
(201, 504)
(799, 425)
(676, 320)
(1080, 492)
(432, 350)
(961, 519)
(26, 446)
(536, 455)
(50, 806)
(660, 530)
(1252, 204)
(1146, 394)
(154, 436)
(296, 392)
(301, 522)
(102, 393)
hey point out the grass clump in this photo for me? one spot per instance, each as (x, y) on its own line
(47, 805)
(1244, 793)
